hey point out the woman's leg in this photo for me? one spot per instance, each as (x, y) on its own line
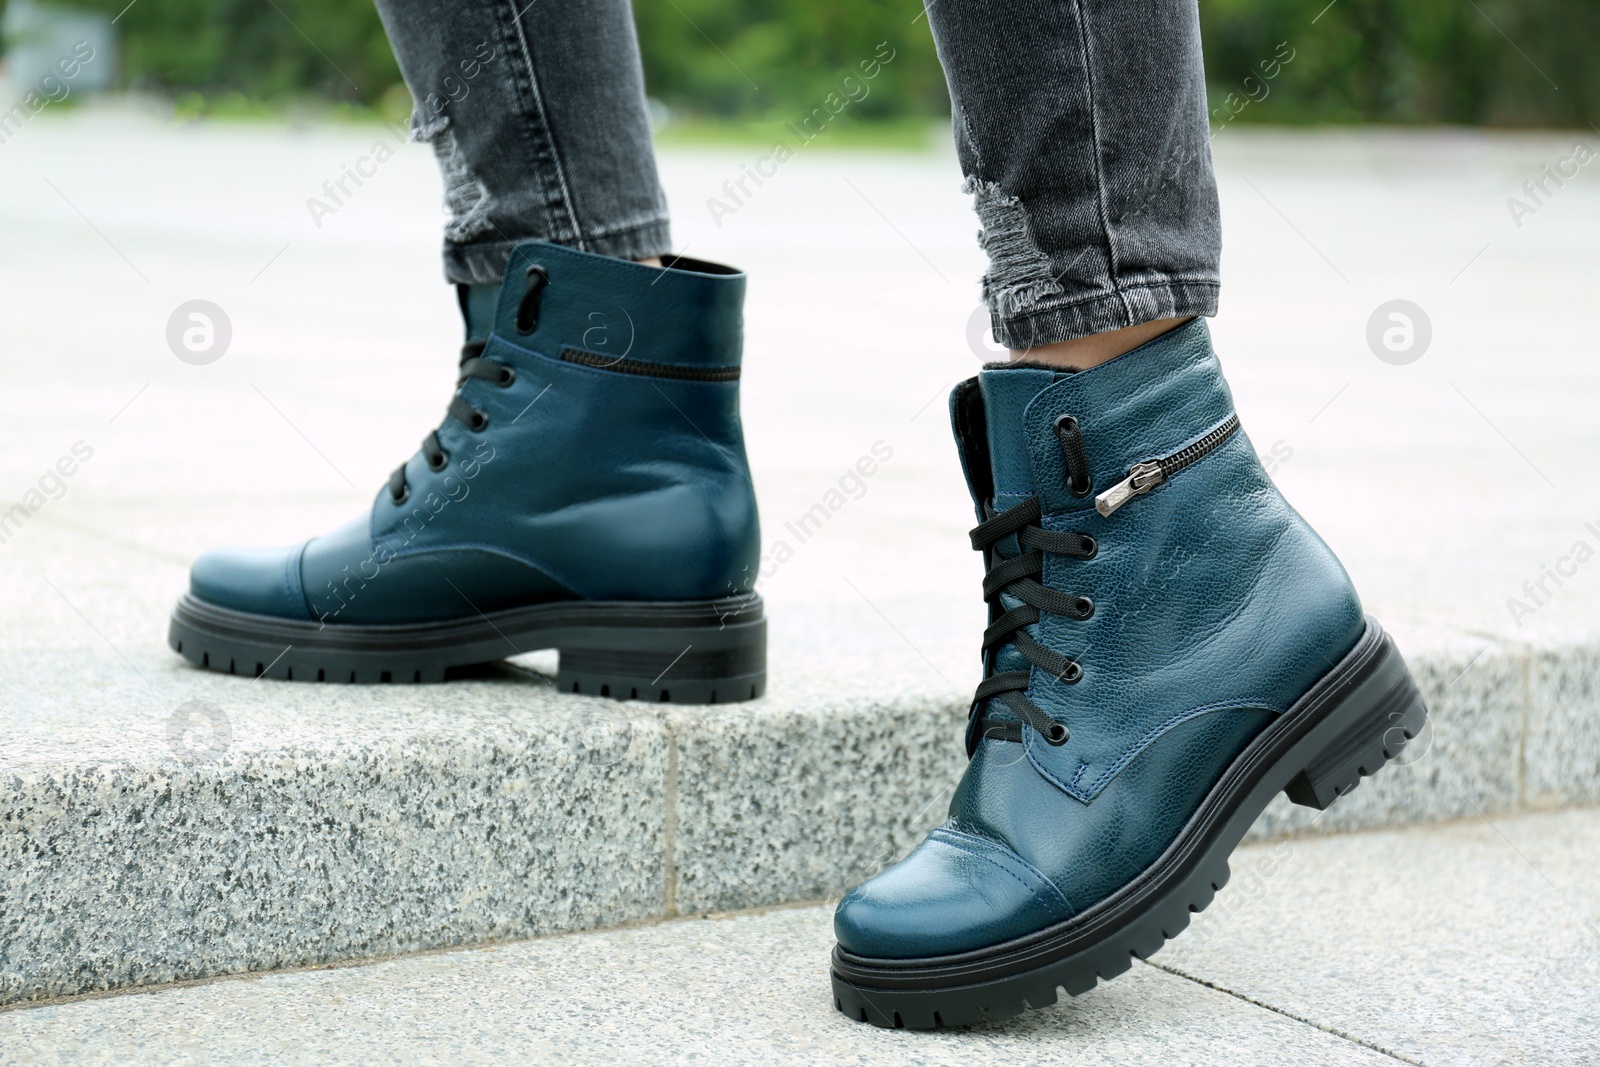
(1081, 129)
(587, 490)
(537, 113)
(1169, 645)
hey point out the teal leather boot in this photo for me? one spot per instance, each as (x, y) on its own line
(587, 491)
(1169, 646)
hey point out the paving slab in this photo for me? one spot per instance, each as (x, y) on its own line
(333, 823)
(741, 990)
(1472, 944)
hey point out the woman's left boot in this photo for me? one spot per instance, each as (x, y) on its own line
(588, 492)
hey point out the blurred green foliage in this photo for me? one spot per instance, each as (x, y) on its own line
(1479, 62)
(780, 58)
(267, 50)
(1354, 60)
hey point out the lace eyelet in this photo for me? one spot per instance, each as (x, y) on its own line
(1091, 547)
(480, 422)
(528, 307)
(1085, 609)
(1080, 483)
(399, 501)
(1073, 674)
(1057, 735)
(507, 376)
(444, 461)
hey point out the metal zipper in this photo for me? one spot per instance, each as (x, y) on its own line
(650, 370)
(1143, 477)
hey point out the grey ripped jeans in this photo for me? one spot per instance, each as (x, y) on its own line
(1080, 126)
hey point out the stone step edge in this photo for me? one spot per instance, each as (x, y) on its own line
(128, 876)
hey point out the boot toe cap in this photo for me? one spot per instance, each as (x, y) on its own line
(261, 581)
(954, 893)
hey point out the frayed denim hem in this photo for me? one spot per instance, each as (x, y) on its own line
(1129, 305)
(484, 262)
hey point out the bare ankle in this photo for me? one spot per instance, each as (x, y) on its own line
(1085, 352)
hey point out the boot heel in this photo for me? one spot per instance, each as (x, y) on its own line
(719, 664)
(1390, 720)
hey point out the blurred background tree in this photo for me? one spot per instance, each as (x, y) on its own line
(1410, 61)
(267, 50)
(780, 58)
(1477, 62)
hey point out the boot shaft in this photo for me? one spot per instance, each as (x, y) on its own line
(1205, 586)
(688, 316)
(613, 462)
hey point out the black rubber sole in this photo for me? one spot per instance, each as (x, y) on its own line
(1355, 719)
(686, 652)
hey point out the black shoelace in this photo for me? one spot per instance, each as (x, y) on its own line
(1015, 571)
(473, 365)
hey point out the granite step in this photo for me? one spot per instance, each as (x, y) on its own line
(1475, 943)
(162, 823)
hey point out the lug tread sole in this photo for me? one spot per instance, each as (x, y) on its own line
(685, 661)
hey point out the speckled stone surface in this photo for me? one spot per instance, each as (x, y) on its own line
(1472, 944)
(1464, 763)
(1562, 750)
(347, 831)
(328, 823)
(1464, 945)
(749, 989)
(783, 804)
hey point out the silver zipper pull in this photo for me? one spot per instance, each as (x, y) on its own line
(1142, 477)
